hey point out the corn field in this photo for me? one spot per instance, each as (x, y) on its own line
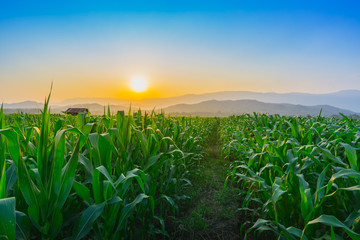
(119, 176)
(299, 177)
(94, 177)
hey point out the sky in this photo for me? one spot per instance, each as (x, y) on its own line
(94, 48)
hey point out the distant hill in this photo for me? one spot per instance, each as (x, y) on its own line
(347, 99)
(26, 104)
(230, 107)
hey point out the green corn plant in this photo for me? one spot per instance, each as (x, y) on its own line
(7, 205)
(46, 192)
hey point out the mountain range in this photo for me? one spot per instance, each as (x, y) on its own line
(232, 107)
(346, 101)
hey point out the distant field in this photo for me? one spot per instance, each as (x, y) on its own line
(129, 176)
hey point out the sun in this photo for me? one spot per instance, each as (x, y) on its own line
(138, 83)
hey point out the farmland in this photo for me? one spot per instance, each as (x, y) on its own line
(299, 177)
(128, 176)
(113, 176)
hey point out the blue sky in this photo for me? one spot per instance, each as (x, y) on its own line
(92, 49)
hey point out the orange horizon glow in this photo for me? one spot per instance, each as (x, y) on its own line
(118, 88)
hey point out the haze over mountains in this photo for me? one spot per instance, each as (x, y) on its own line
(233, 107)
(346, 101)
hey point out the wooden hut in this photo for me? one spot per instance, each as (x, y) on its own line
(76, 111)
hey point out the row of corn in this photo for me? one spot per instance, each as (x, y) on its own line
(298, 177)
(99, 177)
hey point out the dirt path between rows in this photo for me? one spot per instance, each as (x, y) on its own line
(212, 211)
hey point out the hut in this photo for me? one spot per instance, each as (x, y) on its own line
(76, 111)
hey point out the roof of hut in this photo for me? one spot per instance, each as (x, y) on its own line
(76, 111)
